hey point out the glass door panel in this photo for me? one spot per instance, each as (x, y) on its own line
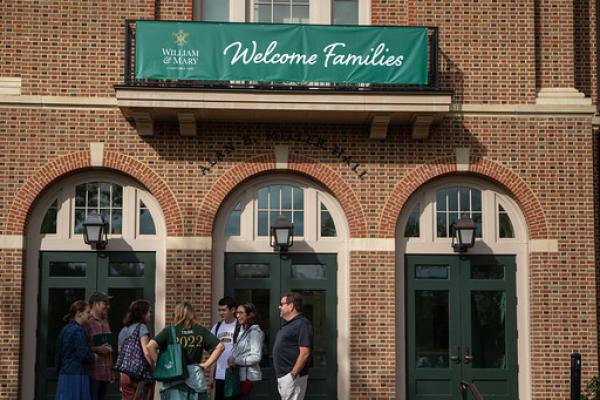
(69, 276)
(262, 279)
(489, 325)
(432, 323)
(461, 325)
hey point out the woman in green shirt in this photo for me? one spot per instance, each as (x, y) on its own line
(195, 340)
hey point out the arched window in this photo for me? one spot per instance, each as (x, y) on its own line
(250, 213)
(431, 211)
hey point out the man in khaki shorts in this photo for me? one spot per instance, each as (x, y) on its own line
(292, 349)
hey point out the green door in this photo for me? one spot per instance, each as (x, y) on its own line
(69, 276)
(461, 325)
(262, 279)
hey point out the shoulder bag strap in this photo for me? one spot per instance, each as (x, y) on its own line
(218, 326)
(173, 335)
(236, 332)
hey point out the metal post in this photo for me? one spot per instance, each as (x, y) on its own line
(575, 376)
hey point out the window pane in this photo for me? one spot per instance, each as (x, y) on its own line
(440, 200)
(233, 224)
(475, 200)
(327, 224)
(79, 218)
(80, 196)
(92, 195)
(66, 268)
(431, 271)
(487, 272)
(116, 222)
(260, 298)
(412, 228)
(441, 225)
(281, 13)
(477, 220)
(105, 195)
(215, 10)
(299, 223)
(315, 310)
(262, 13)
(345, 12)
(488, 312)
(117, 196)
(505, 227)
(465, 204)
(275, 197)
(299, 14)
(263, 194)
(129, 269)
(432, 327)
(308, 271)
(298, 199)
(249, 271)
(59, 301)
(49, 221)
(453, 199)
(263, 223)
(146, 223)
(122, 298)
(286, 197)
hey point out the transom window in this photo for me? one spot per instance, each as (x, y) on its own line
(433, 211)
(281, 11)
(455, 203)
(65, 216)
(277, 200)
(336, 12)
(101, 198)
(248, 215)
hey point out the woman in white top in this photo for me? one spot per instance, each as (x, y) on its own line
(247, 352)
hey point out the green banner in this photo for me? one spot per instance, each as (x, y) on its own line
(280, 53)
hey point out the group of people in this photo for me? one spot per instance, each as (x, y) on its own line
(84, 355)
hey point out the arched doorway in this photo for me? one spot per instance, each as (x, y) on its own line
(462, 311)
(246, 267)
(61, 268)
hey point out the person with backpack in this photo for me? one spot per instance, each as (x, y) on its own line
(134, 361)
(227, 331)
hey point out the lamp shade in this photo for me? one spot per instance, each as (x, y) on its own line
(95, 231)
(282, 234)
(463, 234)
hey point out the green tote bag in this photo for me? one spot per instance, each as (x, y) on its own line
(171, 365)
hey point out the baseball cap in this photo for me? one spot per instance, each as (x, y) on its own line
(99, 296)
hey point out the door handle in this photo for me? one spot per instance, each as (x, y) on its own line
(468, 358)
(456, 357)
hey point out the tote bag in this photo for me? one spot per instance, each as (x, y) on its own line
(232, 382)
(171, 365)
(131, 360)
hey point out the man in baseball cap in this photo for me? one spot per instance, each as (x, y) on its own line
(98, 333)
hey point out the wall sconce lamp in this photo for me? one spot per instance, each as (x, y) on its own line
(95, 231)
(282, 234)
(463, 234)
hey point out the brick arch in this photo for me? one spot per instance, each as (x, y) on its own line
(19, 210)
(478, 166)
(266, 163)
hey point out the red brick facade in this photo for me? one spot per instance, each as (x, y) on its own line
(491, 54)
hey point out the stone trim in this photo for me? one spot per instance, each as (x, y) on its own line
(39, 181)
(265, 163)
(445, 166)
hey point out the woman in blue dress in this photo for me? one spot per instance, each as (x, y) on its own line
(73, 354)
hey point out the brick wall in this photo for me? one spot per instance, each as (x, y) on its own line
(11, 315)
(488, 49)
(550, 155)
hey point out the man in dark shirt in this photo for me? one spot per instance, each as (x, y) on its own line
(292, 349)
